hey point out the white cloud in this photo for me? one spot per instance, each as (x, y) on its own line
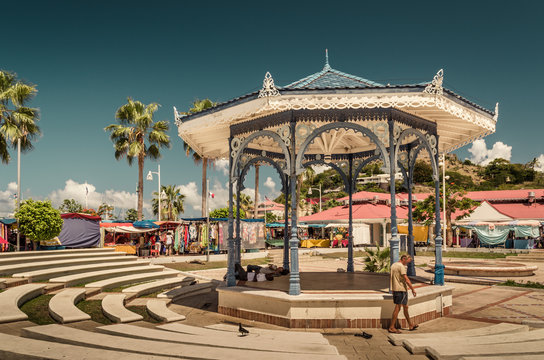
(318, 169)
(222, 165)
(482, 155)
(74, 190)
(193, 199)
(270, 184)
(7, 200)
(539, 166)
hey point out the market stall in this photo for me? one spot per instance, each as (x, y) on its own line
(517, 234)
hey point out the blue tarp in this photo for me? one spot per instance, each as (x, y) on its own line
(80, 233)
(145, 224)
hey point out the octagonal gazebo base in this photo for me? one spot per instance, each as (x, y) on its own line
(347, 302)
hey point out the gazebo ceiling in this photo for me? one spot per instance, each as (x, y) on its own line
(458, 120)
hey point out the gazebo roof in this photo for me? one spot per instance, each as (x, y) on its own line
(330, 78)
(458, 120)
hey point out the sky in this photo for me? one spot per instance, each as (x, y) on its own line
(87, 57)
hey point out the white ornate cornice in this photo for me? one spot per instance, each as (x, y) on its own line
(269, 89)
(435, 87)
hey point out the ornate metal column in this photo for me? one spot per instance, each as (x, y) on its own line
(410, 241)
(350, 221)
(294, 278)
(286, 228)
(231, 279)
(394, 242)
(438, 266)
(238, 238)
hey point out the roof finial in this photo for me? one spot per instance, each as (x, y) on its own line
(327, 66)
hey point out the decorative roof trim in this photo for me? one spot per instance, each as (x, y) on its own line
(269, 89)
(435, 87)
(178, 116)
(496, 115)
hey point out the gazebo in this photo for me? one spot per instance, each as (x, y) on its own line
(342, 121)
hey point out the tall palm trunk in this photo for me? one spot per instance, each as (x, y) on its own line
(256, 200)
(140, 186)
(204, 186)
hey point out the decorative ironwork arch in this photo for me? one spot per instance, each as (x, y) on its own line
(258, 159)
(425, 142)
(361, 166)
(238, 147)
(336, 126)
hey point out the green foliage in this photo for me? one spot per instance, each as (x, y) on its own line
(131, 215)
(270, 217)
(330, 204)
(460, 180)
(171, 203)
(224, 213)
(528, 284)
(373, 187)
(424, 211)
(246, 204)
(377, 260)
(17, 120)
(501, 171)
(105, 211)
(38, 220)
(70, 206)
(423, 172)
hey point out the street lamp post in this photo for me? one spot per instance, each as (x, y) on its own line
(310, 193)
(18, 191)
(150, 178)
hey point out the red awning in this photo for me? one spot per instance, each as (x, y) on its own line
(80, 216)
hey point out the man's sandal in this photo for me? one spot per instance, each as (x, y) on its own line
(414, 328)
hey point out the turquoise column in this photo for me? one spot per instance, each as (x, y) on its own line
(350, 220)
(394, 242)
(238, 238)
(286, 227)
(231, 279)
(294, 276)
(410, 241)
(438, 265)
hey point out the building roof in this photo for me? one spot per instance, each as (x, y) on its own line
(360, 212)
(330, 78)
(505, 195)
(518, 211)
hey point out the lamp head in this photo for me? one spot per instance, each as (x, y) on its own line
(310, 191)
(149, 176)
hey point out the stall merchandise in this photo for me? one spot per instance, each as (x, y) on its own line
(522, 233)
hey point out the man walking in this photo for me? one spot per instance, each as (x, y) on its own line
(399, 285)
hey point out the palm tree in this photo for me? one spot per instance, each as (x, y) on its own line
(137, 136)
(17, 123)
(171, 202)
(246, 203)
(198, 106)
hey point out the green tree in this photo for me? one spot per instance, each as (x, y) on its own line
(424, 211)
(70, 206)
(138, 136)
(198, 106)
(17, 120)
(105, 211)
(423, 172)
(38, 220)
(224, 213)
(171, 203)
(131, 215)
(270, 217)
(246, 203)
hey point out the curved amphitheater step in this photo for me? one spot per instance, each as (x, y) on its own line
(232, 332)
(453, 351)
(159, 310)
(247, 342)
(187, 291)
(418, 346)
(75, 279)
(56, 271)
(19, 254)
(62, 306)
(58, 257)
(309, 337)
(154, 346)
(151, 287)
(131, 279)
(502, 328)
(113, 306)
(13, 298)
(15, 347)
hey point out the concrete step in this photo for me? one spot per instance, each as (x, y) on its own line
(5, 255)
(21, 348)
(502, 328)
(74, 279)
(113, 306)
(452, 351)
(57, 257)
(310, 337)
(131, 279)
(241, 343)
(62, 306)
(12, 298)
(418, 346)
(157, 346)
(274, 335)
(158, 309)
(151, 287)
(186, 291)
(504, 357)
(56, 271)
(524, 258)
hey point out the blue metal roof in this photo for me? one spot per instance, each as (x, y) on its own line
(329, 78)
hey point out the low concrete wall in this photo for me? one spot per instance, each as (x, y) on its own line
(348, 310)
